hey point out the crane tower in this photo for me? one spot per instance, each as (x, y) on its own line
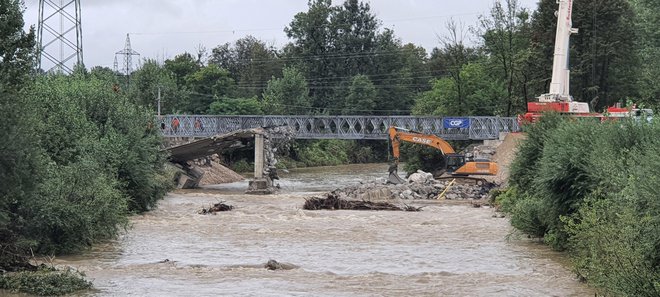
(560, 84)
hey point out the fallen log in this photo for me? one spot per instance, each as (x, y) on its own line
(332, 202)
(220, 206)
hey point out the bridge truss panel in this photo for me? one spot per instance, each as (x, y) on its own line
(336, 127)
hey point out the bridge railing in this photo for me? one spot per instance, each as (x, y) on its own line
(340, 127)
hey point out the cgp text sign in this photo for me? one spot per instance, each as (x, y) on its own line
(456, 122)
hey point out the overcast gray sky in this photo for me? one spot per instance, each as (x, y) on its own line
(161, 29)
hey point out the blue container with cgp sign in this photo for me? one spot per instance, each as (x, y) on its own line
(456, 122)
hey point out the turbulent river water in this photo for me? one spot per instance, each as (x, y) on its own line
(448, 249)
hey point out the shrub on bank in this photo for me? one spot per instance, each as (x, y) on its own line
(45, 281)
(242, 166)
(324, 153)
(591, 188)
(82, 157)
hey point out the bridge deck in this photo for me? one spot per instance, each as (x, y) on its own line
(211, 145)
(340, 127)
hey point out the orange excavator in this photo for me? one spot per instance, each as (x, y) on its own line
(456, 165)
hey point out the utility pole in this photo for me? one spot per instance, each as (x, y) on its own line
(59, 35)
(159, 102)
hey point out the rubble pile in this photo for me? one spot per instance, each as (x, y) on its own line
(420, 185)
(484, 151)
(276, 139)
(215, 172)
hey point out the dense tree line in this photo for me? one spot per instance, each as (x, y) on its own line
(341, 60)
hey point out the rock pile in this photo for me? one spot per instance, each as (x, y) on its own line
(484, 151)
(420, 185)
(215, 172)
(276, 138)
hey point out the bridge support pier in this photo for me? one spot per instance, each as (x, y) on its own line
(260, 185)
(258, 156)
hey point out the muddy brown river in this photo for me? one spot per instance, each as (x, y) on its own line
(448, 249)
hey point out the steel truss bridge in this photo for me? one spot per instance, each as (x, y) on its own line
(340, 127)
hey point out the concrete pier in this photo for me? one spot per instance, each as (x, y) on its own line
(260, 185)
(258, 156)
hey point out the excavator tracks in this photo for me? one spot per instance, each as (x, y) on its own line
(466, 180)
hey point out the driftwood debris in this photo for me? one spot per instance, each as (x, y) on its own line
(220, 206)
(333, 202)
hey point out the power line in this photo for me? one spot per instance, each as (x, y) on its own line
(482, 107)
(280, 28)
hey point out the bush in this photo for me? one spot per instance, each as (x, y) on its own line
(592, 188)
(45, 282)
(325, 153)
(529, 215)
(524, 166)
(615, 246)
(84, 118)
(242, 166)
(94, 157)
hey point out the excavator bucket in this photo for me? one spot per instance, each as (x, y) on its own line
(394, 178)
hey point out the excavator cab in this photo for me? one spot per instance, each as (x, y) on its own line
(454, 162)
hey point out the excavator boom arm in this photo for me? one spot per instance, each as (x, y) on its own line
(397, 135)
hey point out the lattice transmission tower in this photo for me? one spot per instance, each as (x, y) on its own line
(59, 34)
(128, 53)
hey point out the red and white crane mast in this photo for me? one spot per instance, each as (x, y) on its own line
(559, 98)
(559, 87)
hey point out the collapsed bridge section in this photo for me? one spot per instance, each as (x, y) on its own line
(183, 155)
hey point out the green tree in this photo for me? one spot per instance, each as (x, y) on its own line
(398, 73)
(205, 86)
(236, 106)
(103, 161)
(20, 162)
(311, 45)
(287, 95)
(182, 65)
(361, 97)
(332, 44)
(251, 63)
(16, 46)
(104, 74)
(647, 43)
(505, 33)
(149, 80)
(481, 94)
(454, 54)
